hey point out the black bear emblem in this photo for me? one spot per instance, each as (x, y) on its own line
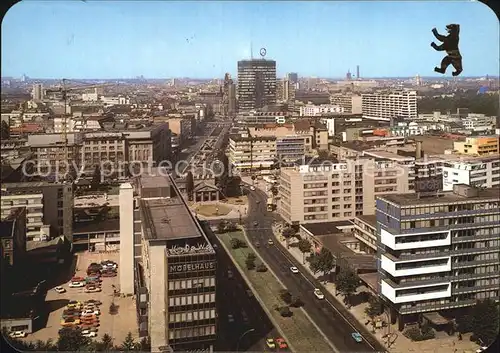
(450, 45)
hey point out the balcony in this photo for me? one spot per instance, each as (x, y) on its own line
(404, 241)
(415, 267)
(413, 294)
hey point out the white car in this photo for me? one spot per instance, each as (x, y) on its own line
(60, 289)
(76, 285)
(252, 188)
(481, 349)
(318, 294)
(89, 333)
(294, 269)
(92, 290)
(17, 334)
(91, 312)
(230, 318)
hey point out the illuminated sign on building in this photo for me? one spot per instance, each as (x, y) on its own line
(192, 267)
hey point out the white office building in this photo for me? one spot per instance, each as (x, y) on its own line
(482, 172)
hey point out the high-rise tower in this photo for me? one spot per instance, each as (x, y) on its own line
(256, 83)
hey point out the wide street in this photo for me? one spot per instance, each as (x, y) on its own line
(333, 324)
(234, 300)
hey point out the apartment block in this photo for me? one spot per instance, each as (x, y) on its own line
(314, 110)
(248, 153)
(481, 172)
(351, 104)
(106, 151)
(386, 106)
(438, 251)
(259, 118)
(324, 191)
(173, 268)
(49, 207)
(478, 146)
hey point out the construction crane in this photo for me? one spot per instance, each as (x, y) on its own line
(64, 89)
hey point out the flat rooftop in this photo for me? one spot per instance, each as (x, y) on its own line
(369, 219)
(168, 219)
(446, 197)
(326, 228)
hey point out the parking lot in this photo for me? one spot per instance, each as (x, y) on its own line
(117, 325)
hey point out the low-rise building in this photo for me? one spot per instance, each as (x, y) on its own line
(481, 172)
(47, 204)
(479, 146)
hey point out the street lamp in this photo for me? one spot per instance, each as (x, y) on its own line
(243, 335)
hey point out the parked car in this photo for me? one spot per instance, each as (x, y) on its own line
(77, 279)
(91, 312)
(92, 301)
(93, 279)
(92, 289)
(281, 343)
(270, 242)
(270, 343)
(60, 289)
(70, 322)
(74, 304)
(76, 285)
(89, 333)
(294, 269)
(18, 334)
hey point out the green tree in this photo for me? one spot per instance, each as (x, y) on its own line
(286, 296)
(326, 261)
(374, 308)
(45, 346)
(105, 344)
(347, 282)
(72, 340)
(485, 321)
(250, 261)
(287, 233)
(237, 243)
(314, 263)
(189, 185)
(129, 343)
(221, 227)
(113, 308)
(304, 247)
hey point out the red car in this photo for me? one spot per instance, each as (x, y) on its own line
(77, 279)
(281, 343)
(109, 274)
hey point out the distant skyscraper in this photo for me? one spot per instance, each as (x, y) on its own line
(37, 93)
(256, 84)
(231, 97)
(293, 77)
(357, 71)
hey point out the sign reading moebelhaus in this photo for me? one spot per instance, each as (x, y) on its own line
(192, 267)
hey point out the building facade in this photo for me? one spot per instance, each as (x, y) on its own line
(386, 106)
(478, 146)
(438, 251)
(47, 204)
(256, 84)
(172, 266)
(480, 172)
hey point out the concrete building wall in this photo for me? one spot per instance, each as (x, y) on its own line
(158, 305)
(126, 239)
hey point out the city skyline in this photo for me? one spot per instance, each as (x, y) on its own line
(124, 40)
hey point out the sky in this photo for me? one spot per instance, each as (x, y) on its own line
(205, 39)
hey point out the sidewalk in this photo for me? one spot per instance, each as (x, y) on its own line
(401, 344)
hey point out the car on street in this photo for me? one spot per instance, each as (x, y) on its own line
(255, 224)
(357, 337)
(257, 244)
(281, 343)
(230, 318)
(481, 349)
(229, 274)
(270, 242)
(109, 273)
(294, 269)
(76, 285)
(77, 279)
(257, 202)
(244, 316)
(91, 312)
(60, 289)
(252, 188)
(17, 334)
(270, 343)
(318, 294)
